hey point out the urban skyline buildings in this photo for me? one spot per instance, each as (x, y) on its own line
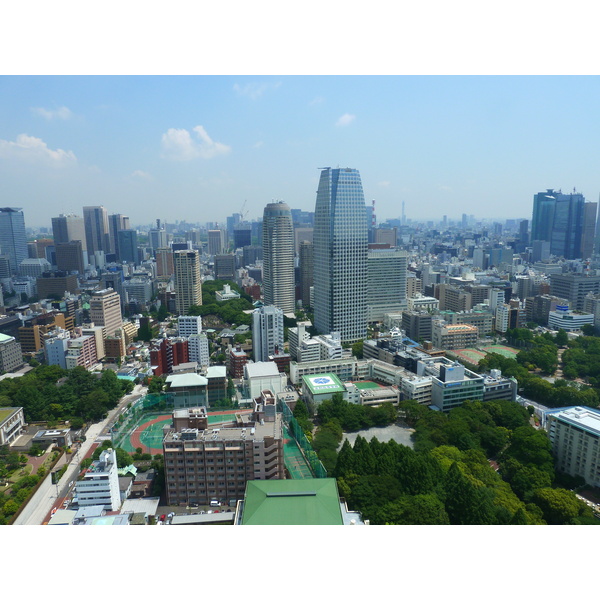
(567, 221)
(187, 280)
(97, 235)
(13, 240)
(340, 241)
(278, 257)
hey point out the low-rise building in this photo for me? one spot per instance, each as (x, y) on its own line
(12, 422)
(100, 484)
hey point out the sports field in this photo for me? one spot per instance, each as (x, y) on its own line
(293, 458)
(473, 355)
(503, 350)
(470, 355)
(366, 385)
(148, 434)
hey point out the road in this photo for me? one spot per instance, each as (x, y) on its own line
(57, 494)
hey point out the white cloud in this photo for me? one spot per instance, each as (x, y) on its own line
(258, 144)
(138, 174)
(62, 113)
(178, 144)
(345, 120)
(255, 90)
(384, 183)
(317, 100)
(30, 148)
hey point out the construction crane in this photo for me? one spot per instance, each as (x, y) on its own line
(242, 213)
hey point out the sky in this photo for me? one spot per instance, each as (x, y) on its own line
(200, 148)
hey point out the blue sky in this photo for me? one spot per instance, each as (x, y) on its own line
(196, 147)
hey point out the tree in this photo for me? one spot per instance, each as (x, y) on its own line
(559, 506)
(561, 338)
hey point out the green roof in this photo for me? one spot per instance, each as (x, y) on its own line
(324, 383)
(292, 502)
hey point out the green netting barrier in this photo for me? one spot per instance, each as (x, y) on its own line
(310, 456)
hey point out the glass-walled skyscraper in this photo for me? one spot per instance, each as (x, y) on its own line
(13, 240)
(278, 257)
(340, 255)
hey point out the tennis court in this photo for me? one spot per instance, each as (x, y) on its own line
(502, 350)
(366, 385)
(470, 355)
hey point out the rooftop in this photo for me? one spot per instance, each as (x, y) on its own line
(292, 502)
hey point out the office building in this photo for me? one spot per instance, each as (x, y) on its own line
(278, 257)
(216, 241)
(453, 337)
(187, 325)
(100, 484)
(164, 263)
(307, 269)
(157, 237)
(13, 239)
(81, 352)
(55, 284)
(116, 223)
(417, 325)
(69, 228)
(34, 267)
(188, 280)
(69, 257)
(198, 349)
(267, 332)
(204, 465)
(225, 266)
(340, 255)
(127, 246)
(97, 236)
(563, 318)
(386, 282)
(105, 311)
(574, 433)
(574, 287)
(242, 235)
(454, 384)
(11, 355)
(567, 221)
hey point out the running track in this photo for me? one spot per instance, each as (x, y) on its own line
(135, 440)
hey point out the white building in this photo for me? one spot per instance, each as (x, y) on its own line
(100, 484)
(198, 349)
(423, 303)
(267, 332)
(574, 433)
(563, 318)
(187, 325)
(55, 348)
(261, 376)
(226, 294)
(386, 274)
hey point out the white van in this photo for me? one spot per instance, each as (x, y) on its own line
(215, 502)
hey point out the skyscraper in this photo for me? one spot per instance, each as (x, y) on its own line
(96, 229)
(69, 228)
(127, 247)
(188, 280)
(116, 223)
(13, 240)
(340, 255)
(307, 268)
(567, 221)
(278, 257)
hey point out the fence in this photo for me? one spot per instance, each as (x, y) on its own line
(310, 456)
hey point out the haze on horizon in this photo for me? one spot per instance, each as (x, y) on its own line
(196, 148)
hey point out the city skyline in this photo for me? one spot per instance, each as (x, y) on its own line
(198, 148)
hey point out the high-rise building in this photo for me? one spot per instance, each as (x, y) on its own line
(386, 282)
(105, 311)
(116, 223)
(278, 257)
(69, 257)
(13, 240)
(96, 229)
(567, 221)
(307, 269)
(216, 241)
(157, 237)
(340, 255)
(574, 287)
(267, 332)
(127, 246)
(225, 266)
(188, 280)
(69, 228)
(164, 263)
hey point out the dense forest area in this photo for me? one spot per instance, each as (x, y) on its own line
(481, 463)
(49, 393)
